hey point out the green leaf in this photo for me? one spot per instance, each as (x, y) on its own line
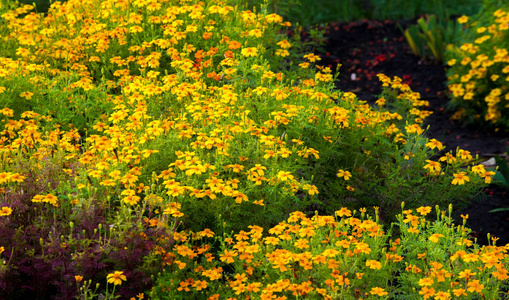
(503, 171)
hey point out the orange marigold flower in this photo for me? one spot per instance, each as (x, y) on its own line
(343, 212)
(378, 291)
(475, 286)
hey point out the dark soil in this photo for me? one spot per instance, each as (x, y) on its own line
(370, 47)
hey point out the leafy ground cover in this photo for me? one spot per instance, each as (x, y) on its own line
(195, 149)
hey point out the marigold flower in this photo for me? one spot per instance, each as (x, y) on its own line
(116, 277)
(250, 51)
(378, 291)
(414, 220)
(228, 256)
(442, 295)
(344, 174)
(427, 292)
(343, 212)
(26, 95)
(459, 292)
(424, 210)
(467, 273)
(462, 19)
(5, 211)
(434, 237)
(460, 178)
(475, 286)
(425, 281)
(373, 264)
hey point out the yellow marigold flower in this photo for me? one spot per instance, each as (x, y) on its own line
(78, 278)
(330, 252)
(433, 167)
(414, 220)
(378, 291)
(312, 57)
(470, 257)
(434, 237)
(250, 51)
(206, 233)
(284, 44)
(479, 169)
(487, 176)
(343, 212)
(433, 143)
(116, 278)
(464, 154)
(351, 189)
(424, 210)
(259, 202)
(425, 281)
(302, 244)
(462, 19)
(51, 199)
(460, 178)
(373, 264)
(26, 95)
(5, 211)
(313, 190)
(304, 65)
(380, 102)
(284, 176)
(467, 273)
(16, 177)
(344, 174)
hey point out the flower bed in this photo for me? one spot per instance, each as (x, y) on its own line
(129, 125)
(477, 77)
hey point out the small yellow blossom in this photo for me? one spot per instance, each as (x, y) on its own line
(251, 51)
(344, 174)
(378, 291)
(116, 278)
(434, 237)
(5, 211)
(460, 178)
(424, 210)
(462, 19)
(373, 264)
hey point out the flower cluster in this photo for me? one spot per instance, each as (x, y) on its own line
(127, 123)
(479, 67)
(347, 257)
